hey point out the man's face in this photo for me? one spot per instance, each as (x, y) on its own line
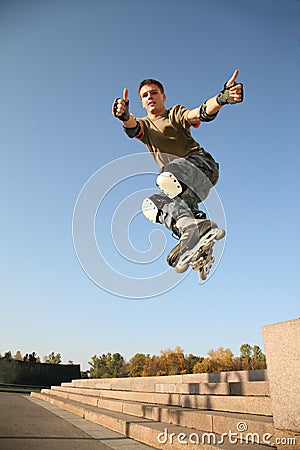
(153, 100)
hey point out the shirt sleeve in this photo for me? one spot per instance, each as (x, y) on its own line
(181, 116)
(142, 136)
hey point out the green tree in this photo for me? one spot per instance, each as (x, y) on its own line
(152, 367)
(53, 358)
(107, 366)
(117, 365)
(220, 360)
(246, 355)
(94, 363)
(173, 362)
(8, 355)
(84, 374)
(252, 357)
(18, 356)
(135, 366)
(203, 366)
(259, 359)
(191, 361)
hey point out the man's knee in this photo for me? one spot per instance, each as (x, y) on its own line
(169, 184)
(150, 210)
(153, 205)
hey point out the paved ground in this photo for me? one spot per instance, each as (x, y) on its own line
(30, 424)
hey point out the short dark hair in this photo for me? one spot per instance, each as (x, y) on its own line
(149, 81)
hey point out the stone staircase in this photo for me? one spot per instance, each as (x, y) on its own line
(227, 410)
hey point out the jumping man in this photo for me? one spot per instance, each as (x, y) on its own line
(188, 172)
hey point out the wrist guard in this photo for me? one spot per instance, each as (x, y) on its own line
(224, 98)
(133, 132)
(125, 116)
(204, 117)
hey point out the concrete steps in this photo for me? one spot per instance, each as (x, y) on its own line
(150, 409)
(118, 400)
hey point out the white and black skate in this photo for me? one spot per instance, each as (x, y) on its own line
(201, 256)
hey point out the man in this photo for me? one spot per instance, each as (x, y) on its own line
(188, 172)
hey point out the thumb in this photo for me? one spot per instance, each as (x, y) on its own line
(231, 81)
(125, 95)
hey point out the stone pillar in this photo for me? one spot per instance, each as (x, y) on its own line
(282, 348)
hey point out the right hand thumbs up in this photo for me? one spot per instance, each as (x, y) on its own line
(120, 108)
(125, 95)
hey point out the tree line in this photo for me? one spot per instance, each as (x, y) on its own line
(34, 358)
(169, 362)
(175, 362)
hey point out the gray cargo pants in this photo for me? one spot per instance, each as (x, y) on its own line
(197, 174)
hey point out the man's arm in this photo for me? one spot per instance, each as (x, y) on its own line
(232, 93)
(121, 111)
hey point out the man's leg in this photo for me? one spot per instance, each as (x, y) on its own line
(160, 208)
(187, 182)
(189, 178)
(178, 217)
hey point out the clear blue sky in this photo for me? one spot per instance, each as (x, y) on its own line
(62, 64)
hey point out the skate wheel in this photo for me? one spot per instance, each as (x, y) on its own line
(196, 266)
(220, 235)
(197, 258)
(181, 268)
(203, 274)
(206, 247)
